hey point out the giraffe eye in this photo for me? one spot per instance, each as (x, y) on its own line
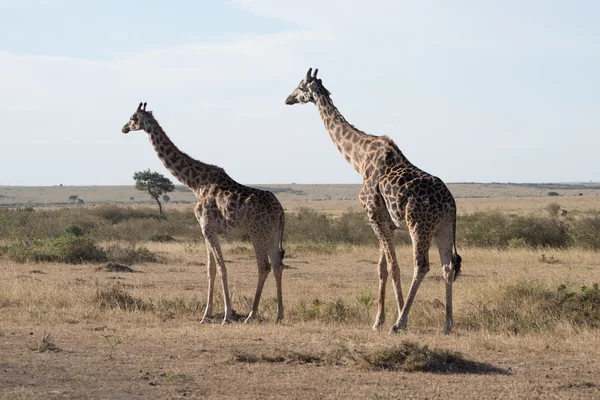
(134, 118)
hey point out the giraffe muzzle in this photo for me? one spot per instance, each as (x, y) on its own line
(125, 129)
(291, 100)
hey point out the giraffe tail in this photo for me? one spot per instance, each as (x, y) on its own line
(456, 258)
(281, 250)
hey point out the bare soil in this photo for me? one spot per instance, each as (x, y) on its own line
(57, 342)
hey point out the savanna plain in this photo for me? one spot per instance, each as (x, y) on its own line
(103, 299)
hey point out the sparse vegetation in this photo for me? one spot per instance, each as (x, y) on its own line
(527, 300)
(46, 345)
(47, 235)
(527, 307)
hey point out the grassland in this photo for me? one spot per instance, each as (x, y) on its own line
(331, 199)
(527, 322)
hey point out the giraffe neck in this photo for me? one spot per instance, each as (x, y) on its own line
(192, 173)
(351, 142)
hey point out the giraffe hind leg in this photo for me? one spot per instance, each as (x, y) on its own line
(263, 271)
(276, 257)
(450, 267)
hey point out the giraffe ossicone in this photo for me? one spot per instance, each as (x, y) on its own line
(224, 206)
(394, 191)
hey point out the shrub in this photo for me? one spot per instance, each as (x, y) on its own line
(585, 232)
(68, 249)
(494, 229)
(131, 255)
(336, 311)
(409, 356)
(530, 307)
(116, 214)
(161, 238)
(74, 230)
(117, 297)
(553, 208)
(74, 249)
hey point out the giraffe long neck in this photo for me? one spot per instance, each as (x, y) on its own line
(351, 142)
(192, 173)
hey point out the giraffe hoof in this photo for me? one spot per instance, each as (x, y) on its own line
(248, 320)
(226, 321)
(397, 328)
(205, 321)
(447, 330)
(377, 327)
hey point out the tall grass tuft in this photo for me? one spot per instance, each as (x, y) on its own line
(529, 307)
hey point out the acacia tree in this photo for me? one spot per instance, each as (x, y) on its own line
(154, 184)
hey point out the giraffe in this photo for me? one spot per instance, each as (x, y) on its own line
(393, 191)
(224, 206)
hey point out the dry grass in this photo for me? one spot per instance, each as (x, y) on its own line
(140, 332)
(331, 199)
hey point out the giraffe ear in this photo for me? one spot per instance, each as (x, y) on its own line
(150, 112)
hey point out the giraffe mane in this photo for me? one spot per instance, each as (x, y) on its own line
(151, 116)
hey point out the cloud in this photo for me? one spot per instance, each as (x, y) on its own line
(453, 76)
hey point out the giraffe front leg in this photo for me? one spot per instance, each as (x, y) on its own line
(211, 272)
(383, 273)
(218, 255)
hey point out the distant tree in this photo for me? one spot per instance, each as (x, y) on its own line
(132, 198)
(80, 201)
(553, 194)
(154, 184)
(166, 198)
(73, 198)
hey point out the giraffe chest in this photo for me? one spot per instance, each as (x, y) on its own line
(222, 215)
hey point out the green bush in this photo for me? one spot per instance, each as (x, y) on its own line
(74, 249)
(67, 249)
(74, 230)
(495, 229)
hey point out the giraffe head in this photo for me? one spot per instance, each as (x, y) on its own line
(137, 120)
(306, 90)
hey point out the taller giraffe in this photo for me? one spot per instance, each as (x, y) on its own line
(393, 190)
(224, 206)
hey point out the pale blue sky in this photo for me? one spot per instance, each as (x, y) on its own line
(469, 90)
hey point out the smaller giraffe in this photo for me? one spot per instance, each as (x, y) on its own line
(224, 206)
